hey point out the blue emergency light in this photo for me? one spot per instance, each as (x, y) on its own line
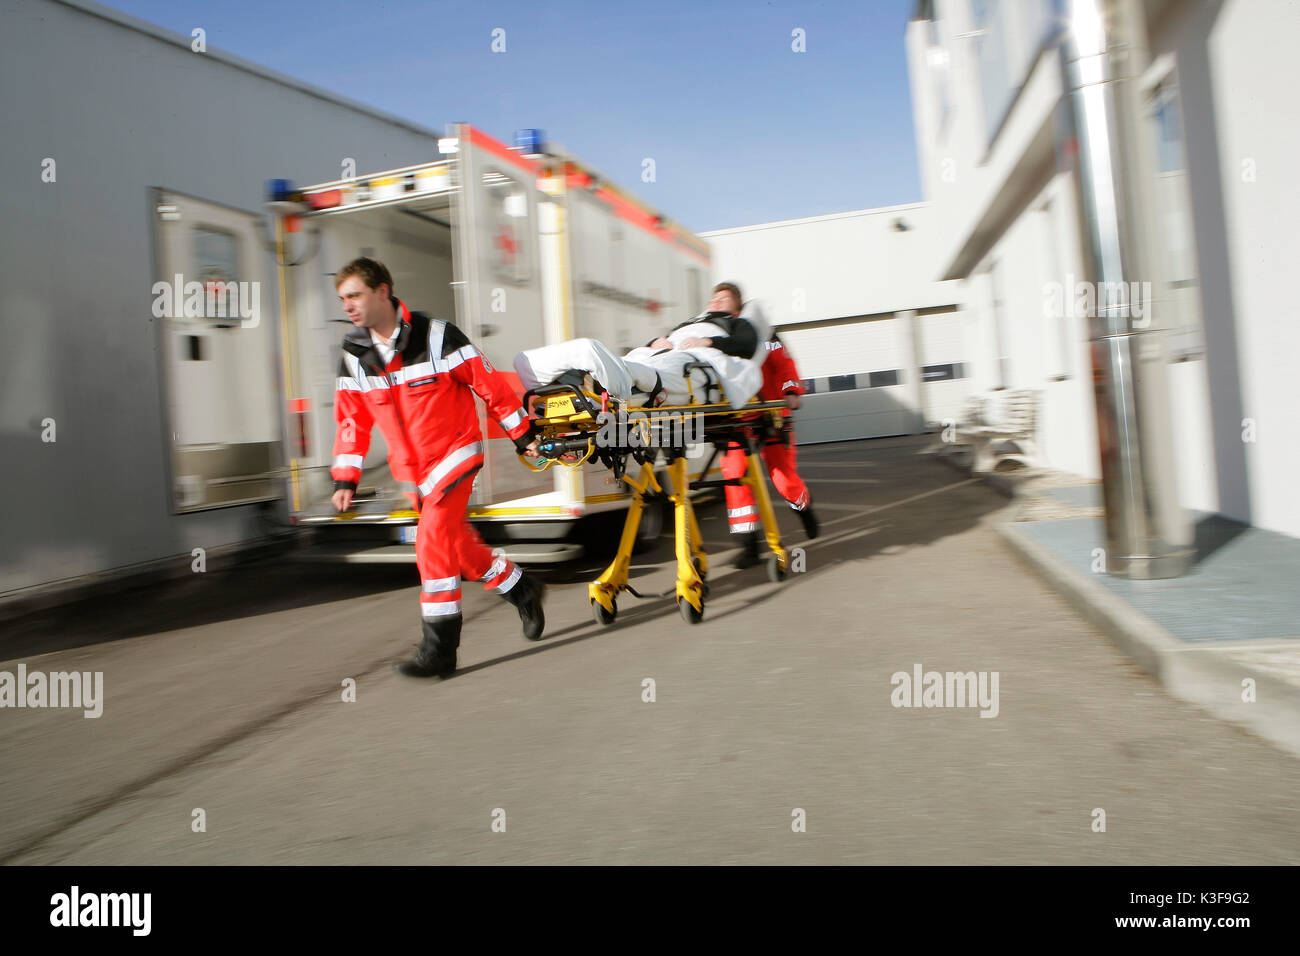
(530, 141)
(279, 190)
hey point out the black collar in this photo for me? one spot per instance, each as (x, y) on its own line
(410, 343)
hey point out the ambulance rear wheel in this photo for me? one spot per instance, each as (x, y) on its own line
(688, 612)
(604, 618)
(775, 573)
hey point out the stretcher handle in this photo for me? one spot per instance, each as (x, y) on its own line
(551, 450)
(538, 468)
(713, 381)
(557, 447)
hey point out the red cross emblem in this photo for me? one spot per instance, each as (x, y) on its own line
(505, 241)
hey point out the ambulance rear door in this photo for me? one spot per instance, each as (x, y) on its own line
(498, 286)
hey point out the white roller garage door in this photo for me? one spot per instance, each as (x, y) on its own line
(945, 386)
(857, 370)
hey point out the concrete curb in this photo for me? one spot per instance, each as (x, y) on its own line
(1206, 676)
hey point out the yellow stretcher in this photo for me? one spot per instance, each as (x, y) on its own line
(577, 426)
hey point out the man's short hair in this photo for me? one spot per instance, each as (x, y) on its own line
(370, 271)
(733, 289)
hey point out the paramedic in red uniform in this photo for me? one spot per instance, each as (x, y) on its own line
(780, 380)
(416, 378)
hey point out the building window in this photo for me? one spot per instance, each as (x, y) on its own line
(1058, 334)
(507, 227)
(936, 57)
(943, 373)
(216, 257)
(1009, 36)
(990, 36)
(996, 309)
(1171, 206)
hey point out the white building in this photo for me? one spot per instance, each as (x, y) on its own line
(855, 300)
(1217, 122)
(995, 248)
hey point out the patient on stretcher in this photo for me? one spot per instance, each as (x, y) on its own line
(656, 374)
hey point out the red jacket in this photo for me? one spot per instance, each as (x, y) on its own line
(780, 377)
(423, 402)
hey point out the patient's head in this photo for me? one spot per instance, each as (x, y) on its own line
(726, 298)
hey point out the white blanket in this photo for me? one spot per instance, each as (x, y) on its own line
(632, 377)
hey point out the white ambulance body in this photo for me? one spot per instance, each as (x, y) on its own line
(519, 248)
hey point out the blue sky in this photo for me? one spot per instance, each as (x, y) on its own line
(741, 128)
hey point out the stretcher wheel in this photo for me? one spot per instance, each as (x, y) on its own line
(688, 612)
(775, 573)
(650, 528)
(604, 618)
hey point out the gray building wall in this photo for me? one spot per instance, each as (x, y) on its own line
(122, 107)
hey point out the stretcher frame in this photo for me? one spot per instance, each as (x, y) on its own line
(568, 419)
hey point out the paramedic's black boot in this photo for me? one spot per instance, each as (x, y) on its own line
(527, 596)
(748, 556)
(436, 655)
(809, 519)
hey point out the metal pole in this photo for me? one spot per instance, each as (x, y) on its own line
(288, 345)
(1147, 533)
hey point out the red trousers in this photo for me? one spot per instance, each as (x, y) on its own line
(742, 514)
(447, 549)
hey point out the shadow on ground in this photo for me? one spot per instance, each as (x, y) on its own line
(871, 495)
(899, 499)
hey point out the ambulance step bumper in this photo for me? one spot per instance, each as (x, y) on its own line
(350, 553)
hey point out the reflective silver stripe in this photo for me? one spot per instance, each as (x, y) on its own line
(360, 381)
(512, 421)
(740, 512)
(414, 373)
(511, 581)
(439, 608)
(438, 585)
(347, 461)
(436, 329)
(748, 526)
(347, 385)
(449, 464)
(460, 356)
(790, 384)
(357, 380)
(498, 566)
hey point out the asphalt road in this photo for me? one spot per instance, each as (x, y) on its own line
(224, 693)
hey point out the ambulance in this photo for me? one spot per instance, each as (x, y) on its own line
(520, 247)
